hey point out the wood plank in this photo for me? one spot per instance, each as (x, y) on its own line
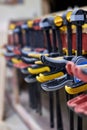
(15, 123)
(4, 126)
(2, 85)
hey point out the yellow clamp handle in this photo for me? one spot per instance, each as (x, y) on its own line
(44, 78)
(12, 26)
(15, 60)
(77, 90)
(38, 78)
(39, 70)
(30, 23)
(38, 62)
(37, 55)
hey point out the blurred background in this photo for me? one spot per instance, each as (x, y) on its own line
(25, 9)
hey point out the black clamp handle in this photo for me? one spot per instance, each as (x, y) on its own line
(53, 63)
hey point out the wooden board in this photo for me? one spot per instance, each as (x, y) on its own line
(2, 85)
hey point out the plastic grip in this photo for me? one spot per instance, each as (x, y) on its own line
(77, 90)
(39, 70)
(43, 78)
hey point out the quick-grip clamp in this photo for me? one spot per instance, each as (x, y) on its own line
(78, 85)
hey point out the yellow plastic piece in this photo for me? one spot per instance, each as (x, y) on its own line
(39, 70)
(50, 77)
(66, 51)
(37, 55)
(12, 26)
(73, 51)
(77, 90)
(15, 61)
(63, 28)
(68, 16)
(38, 62)
(84, 26)
(73, 26)
(58, 21)
(39, 79)
(83, 52)
(30, 23)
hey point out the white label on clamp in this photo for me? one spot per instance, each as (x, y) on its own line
(24, 26)
(77, 18)
(43, 25)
